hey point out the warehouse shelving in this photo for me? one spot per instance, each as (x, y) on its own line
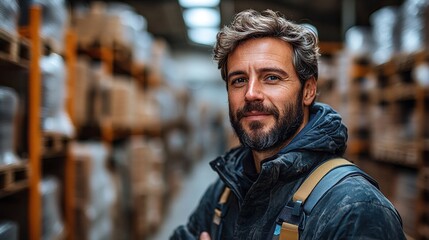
(44, 154)
(398, 110)
(386, 111)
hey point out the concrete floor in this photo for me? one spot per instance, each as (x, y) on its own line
(194, 186)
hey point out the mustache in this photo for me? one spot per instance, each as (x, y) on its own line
(256, 106)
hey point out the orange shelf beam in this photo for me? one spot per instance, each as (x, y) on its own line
(70, 55)
(34, 138)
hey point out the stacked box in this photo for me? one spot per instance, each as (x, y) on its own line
(82, 84)
(89, 24)
(146, 166)
(123, 100)
(146, 112)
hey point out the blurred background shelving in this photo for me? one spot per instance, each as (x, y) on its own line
(107, 107)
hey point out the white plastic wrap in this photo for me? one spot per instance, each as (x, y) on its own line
(168, 104)
(54, 116)
(143, 47)
(103, 194)
(385, 33)
(96, 210)
(52, 223)
(8, 230)
(359, 41)
(421, 74)
(414, 26)
(9, 11)
(53, 22)
(8, 110)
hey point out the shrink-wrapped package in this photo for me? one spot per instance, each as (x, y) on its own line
(53, 22)
(94, 193)
(385, 33)
(123, 23)
(8, 230)
(359, 42)
(8, 110)
(52, 223)
(414, 25)
(54, 116)
(142, 47)
(9, 11)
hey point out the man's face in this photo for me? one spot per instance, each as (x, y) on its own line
(264, 94)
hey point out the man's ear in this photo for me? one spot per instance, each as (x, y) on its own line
(310, 89)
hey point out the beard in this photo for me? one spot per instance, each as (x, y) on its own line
(286, 125)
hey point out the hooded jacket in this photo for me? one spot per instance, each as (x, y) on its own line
(353, 209)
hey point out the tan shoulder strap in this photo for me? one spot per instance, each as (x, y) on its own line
(314, 178)
(222, 200)
(290, 231)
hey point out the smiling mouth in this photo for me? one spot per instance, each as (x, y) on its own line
(253, 111)
(254, 115)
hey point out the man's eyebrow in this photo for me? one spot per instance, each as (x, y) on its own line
(274, 69)
(235, 73)
(261, 70)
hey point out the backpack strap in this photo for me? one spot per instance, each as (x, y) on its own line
(323, 178)
(335, 176)
(221, 205)
(314, 178)
(220, 212)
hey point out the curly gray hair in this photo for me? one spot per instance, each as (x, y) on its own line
(252, 24)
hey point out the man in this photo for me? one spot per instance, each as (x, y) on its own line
(269, 65)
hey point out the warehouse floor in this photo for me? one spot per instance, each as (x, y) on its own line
(192, 190)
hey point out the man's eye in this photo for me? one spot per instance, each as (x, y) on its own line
(272, 78)
(238, 81)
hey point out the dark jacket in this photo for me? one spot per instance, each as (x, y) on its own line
(354, 209)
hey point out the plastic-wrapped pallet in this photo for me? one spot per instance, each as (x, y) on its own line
(88, 23)
(359, 41)
(54, 116)
(8, 110)
(9, 11)
(148, 188)
(123, 23)
(414, 26)
(95, 191)
(168, 103)
(52, 223)
(8, 230)
(147, 113)
(54, 22)
(385, 33)
(142, 47)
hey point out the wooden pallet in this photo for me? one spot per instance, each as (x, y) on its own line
(8, 46)
(407, 61)
(14, 49)
(54, 143)
(13, 177)
(397, 152)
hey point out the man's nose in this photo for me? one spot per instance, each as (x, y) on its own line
(254, 90)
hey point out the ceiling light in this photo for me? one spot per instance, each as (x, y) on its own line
(201, 17)
(198, 3)
(205, 36)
